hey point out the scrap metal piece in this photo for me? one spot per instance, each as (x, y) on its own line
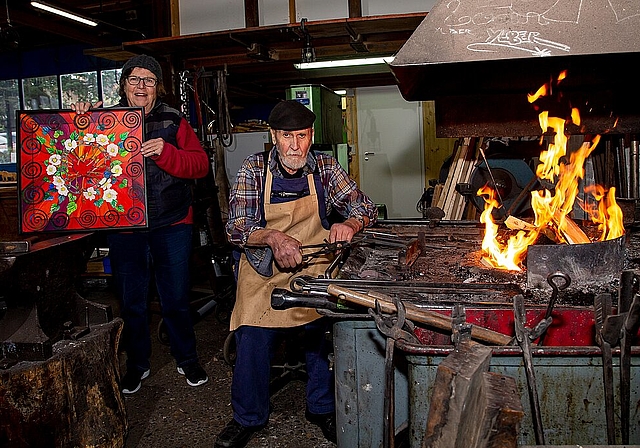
(29, 342)
(413, 252)
(14, 247)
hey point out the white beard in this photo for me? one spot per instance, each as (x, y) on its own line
(293, 163)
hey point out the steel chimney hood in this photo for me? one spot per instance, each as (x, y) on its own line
(478, 59)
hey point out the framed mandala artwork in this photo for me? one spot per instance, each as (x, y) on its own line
(81, 172)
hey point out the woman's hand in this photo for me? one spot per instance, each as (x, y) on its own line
(82, 107)
(153, 147)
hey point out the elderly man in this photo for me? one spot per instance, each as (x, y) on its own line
(282, 200)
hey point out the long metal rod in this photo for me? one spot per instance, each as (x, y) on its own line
(522, 336)
(305, 282)
(635, 166)
(495, 187)
(602, 308)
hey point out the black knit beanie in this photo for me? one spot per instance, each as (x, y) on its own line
(143, 61)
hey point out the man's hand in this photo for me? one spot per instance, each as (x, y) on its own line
(344, 231)
(286, 250)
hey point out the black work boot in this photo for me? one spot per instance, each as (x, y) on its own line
(234, 435)
(326, 422)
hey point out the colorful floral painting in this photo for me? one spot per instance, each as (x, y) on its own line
(81, 172)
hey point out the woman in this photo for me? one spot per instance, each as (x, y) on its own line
(173, 156)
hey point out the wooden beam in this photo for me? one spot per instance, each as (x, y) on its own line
(164, 17)
(251, 16)
(292, 11)
(355, 8)
(175, 17)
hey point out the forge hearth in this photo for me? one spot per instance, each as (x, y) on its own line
(450, 270)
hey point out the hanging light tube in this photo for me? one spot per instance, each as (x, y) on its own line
(343, 63)
(63, 13)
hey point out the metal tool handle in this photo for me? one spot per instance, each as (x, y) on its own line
(557, 287)
(630, 326)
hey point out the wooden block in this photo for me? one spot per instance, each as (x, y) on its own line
(570, 230)
(458, 402)
(471, 407)
(504, 412)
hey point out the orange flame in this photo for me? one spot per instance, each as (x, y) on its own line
(552, 210)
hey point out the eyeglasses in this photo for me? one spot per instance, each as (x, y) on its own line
(147, 82)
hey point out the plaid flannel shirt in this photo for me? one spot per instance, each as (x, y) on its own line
(341, 194)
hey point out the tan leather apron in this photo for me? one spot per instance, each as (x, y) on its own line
(299, 219)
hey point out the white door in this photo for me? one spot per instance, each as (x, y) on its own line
(390, 149)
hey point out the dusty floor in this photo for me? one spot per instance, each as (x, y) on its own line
(169, 413)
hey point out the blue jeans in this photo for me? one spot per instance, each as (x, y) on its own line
(134, 256)
(255, 349)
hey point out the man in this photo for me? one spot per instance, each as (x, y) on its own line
(282, 200)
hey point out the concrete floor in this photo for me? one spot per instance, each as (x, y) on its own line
(169, 413)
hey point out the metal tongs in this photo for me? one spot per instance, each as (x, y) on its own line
(525, 336)
(323, 249)
(618, 329)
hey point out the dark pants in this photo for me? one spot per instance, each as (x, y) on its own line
(166, 253)
(255, 348)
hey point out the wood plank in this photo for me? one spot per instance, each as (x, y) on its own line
(457, 403)
(570, 230)
(467, 169)
(449, 185)
(447, 182)
(453, 194)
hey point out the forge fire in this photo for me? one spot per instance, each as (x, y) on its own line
(552, 203)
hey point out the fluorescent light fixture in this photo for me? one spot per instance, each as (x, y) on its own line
(343, 63)
(340, 92)
(63, 13)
